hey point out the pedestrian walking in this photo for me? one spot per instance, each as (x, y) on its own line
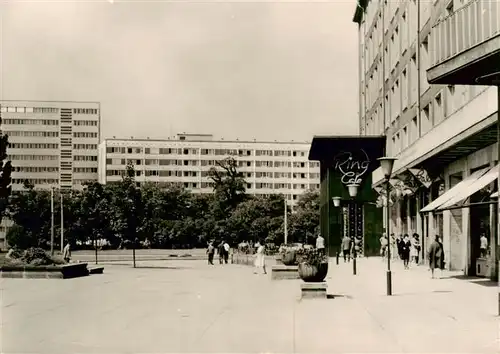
(415, 248)
(259, 261)
(320, 244)
(226, 251)
(67, 253)
(220, 251)
(346, 248)
(399, 242)
(384, 244)
(211, 253)
(436, 255)
(405, 246)
(483, 246)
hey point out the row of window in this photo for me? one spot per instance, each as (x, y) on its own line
(32, 169)
(9, 121)
(85, 169)
(35, 181)
(33, 146)
(165, 162)
(195, 151)
(274, 186)
(32, 157)
(33, 134)
(85, 122)
(10, 109)
(85, 146)
(41, 169)
(84, 135)
(84, 158)
(85, 111)
(177, 173)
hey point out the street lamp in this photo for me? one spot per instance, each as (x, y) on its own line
(336, 201)
(387, 163)
(353, 190)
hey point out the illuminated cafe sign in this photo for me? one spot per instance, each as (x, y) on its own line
(352, 166)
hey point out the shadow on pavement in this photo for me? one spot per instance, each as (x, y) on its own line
(161, 267)
(475, 280)
(333, 296)
(423, 292)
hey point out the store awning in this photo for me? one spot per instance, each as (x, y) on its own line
(454, 191)
(472, 188)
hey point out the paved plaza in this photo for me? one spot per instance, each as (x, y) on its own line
(186, 306)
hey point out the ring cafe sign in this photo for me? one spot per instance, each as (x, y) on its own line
(352, 167)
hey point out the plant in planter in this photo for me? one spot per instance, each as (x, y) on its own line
(313, 265)
(288, 254)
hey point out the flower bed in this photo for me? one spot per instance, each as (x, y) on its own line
(36, 263)
(66, 271)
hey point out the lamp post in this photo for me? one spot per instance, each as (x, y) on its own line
(62, 222)
(336, 204)
(387, 163)
(285, 231)
(353, 192)
(52, 221)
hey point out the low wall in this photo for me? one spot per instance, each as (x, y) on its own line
(243, 259)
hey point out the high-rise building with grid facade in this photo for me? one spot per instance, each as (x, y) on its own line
(268, 167)
(52, 144)
(425, 67)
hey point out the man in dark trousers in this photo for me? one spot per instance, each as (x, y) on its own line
(211, 252)
(220, 251)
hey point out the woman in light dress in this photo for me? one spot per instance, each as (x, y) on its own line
(415, 249)
(259, 262)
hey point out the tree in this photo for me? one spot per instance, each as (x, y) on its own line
(256, 218)
(304, 222)
(95, 213)
(5, 174)
(127, 206)
(228, 185)
(30, 210)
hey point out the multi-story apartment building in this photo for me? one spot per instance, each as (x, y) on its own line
(52, 144)
(442, 131)
(268, 167)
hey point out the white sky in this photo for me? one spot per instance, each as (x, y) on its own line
(260, 69)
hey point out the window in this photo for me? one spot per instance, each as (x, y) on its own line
(438, 109)
(414, 130)
(426, 119)
(404, 90)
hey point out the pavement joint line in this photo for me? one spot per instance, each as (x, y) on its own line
(224, 310)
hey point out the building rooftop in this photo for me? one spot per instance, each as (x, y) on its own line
(204, 140)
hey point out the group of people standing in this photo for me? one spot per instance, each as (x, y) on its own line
(222, 249)
(402, 246)
(410, 249)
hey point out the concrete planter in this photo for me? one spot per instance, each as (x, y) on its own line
(313, 273)
(281, 271)
(66, 271)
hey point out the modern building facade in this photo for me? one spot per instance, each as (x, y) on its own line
(443, 131)
(52, 144)
(268, 167)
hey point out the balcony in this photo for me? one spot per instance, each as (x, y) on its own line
(466, 45)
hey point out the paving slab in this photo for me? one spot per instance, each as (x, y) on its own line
(191, 307)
